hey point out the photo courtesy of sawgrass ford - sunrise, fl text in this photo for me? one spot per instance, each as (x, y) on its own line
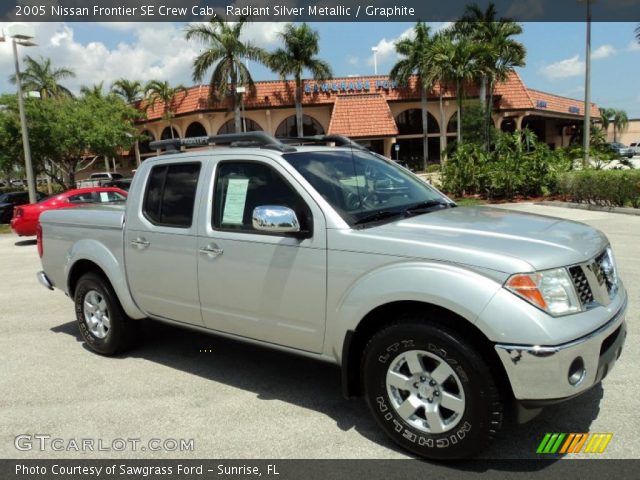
(303, 239)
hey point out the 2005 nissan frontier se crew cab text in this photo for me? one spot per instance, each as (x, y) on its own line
(444, 318)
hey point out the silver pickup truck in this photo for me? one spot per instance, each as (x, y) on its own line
(444, 318)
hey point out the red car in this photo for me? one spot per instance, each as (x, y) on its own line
(25, 217)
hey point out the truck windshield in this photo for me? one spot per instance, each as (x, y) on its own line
(365, 189)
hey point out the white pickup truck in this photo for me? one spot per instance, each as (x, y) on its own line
(442, 317)
(98, 179)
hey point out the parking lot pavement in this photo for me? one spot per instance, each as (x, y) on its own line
(240, 401)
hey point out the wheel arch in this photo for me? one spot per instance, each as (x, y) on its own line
(356, 340)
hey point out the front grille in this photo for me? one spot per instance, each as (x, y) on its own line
(582, 285)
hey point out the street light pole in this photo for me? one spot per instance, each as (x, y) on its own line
(375, 60)
(25, 132)
(587, 91)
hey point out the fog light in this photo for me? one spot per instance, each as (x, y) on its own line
(577, 371)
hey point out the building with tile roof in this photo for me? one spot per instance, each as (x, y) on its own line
(373, 110)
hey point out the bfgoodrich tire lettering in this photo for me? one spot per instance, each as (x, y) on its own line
(430, 391)
(103, 324)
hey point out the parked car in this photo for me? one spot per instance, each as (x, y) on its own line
(98, 179)
(10, 200)
(635, 146)
(621, 149)
(443, 318)
(25, 217)
(123, 183)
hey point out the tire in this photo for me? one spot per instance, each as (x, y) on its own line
(453, 415)
(103, 324)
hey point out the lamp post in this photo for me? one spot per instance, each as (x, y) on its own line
(242, 90)
(587, 89)
(21, 34)
(375, 60)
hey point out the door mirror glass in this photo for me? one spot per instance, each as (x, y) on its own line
(275, 219)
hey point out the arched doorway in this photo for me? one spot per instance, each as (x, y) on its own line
(310, 127)
(410, 140)
(195, 129)
(166, 133)
(230, 126)
(143, 145)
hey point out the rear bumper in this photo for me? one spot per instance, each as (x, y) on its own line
(540, 376)
(44, 280)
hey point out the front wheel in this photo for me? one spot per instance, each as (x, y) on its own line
(430, 391)
(103, 323)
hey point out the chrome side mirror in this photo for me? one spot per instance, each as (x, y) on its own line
(275, 219)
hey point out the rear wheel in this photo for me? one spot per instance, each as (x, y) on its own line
(102, 321)
(430, 391)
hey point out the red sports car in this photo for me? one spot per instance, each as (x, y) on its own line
(25, 217)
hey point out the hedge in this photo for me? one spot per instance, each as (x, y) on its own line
(609, 188)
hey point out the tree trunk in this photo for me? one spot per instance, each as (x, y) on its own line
(443, 128)
(299, 116)
(483, 91)
(459, 113)
(425, 128)
(615, 132)
(136, 150)
(236, 101)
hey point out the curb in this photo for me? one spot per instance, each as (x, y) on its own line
(588, 206)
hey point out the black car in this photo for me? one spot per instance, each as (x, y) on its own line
(10, 200)
(123, 183)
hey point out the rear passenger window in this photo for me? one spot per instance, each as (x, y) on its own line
(171, 194)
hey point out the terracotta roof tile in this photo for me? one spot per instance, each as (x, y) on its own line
(510, 95)
(556, 103)
(362, 115)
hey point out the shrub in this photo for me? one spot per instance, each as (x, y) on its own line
(516, 164)
(608, 188)
(433, 168)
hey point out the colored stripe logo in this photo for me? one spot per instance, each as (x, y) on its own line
(566, 443)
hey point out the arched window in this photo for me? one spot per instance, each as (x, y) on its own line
(143, 145)
(310, 126)
(195, 129)
(409, 122)
(452, 126)
(166, 134)
(230, 126)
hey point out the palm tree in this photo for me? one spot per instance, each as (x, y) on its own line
(299, 54)
(443, 51)
(417, 58)
(97, 90)
(501, 52)
(606, 114)
(40, 76)
(225, 52)
(157, 91)
(464, 65)
(620, 123)
(129, 90)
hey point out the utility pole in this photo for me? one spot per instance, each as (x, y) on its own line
(587, 91)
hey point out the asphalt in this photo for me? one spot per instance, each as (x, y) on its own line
(240, 401)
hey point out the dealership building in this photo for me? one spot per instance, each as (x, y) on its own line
(373, 110)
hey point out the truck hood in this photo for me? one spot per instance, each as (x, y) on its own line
(486, 237)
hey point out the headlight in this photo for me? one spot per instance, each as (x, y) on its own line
(550, 290)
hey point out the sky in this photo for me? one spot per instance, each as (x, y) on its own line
(555, 54)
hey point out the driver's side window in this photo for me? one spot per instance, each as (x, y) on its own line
(240, 187)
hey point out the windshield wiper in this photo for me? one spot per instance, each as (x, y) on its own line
(379, 215)
(424, 207)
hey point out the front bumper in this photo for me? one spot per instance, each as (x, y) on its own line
(540, 375)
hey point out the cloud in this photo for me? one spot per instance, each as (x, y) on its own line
(386, 47)
(574, 66)
(569, 67)
(157, 51)
(603, 51)
(353, 60)
(634, 46)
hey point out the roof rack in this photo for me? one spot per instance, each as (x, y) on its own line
(248, 139)
(338, 140)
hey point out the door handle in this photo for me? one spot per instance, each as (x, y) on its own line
(212, 250)
(140, 243)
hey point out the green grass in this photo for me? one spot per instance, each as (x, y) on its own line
(5, 228)
(469, 202)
